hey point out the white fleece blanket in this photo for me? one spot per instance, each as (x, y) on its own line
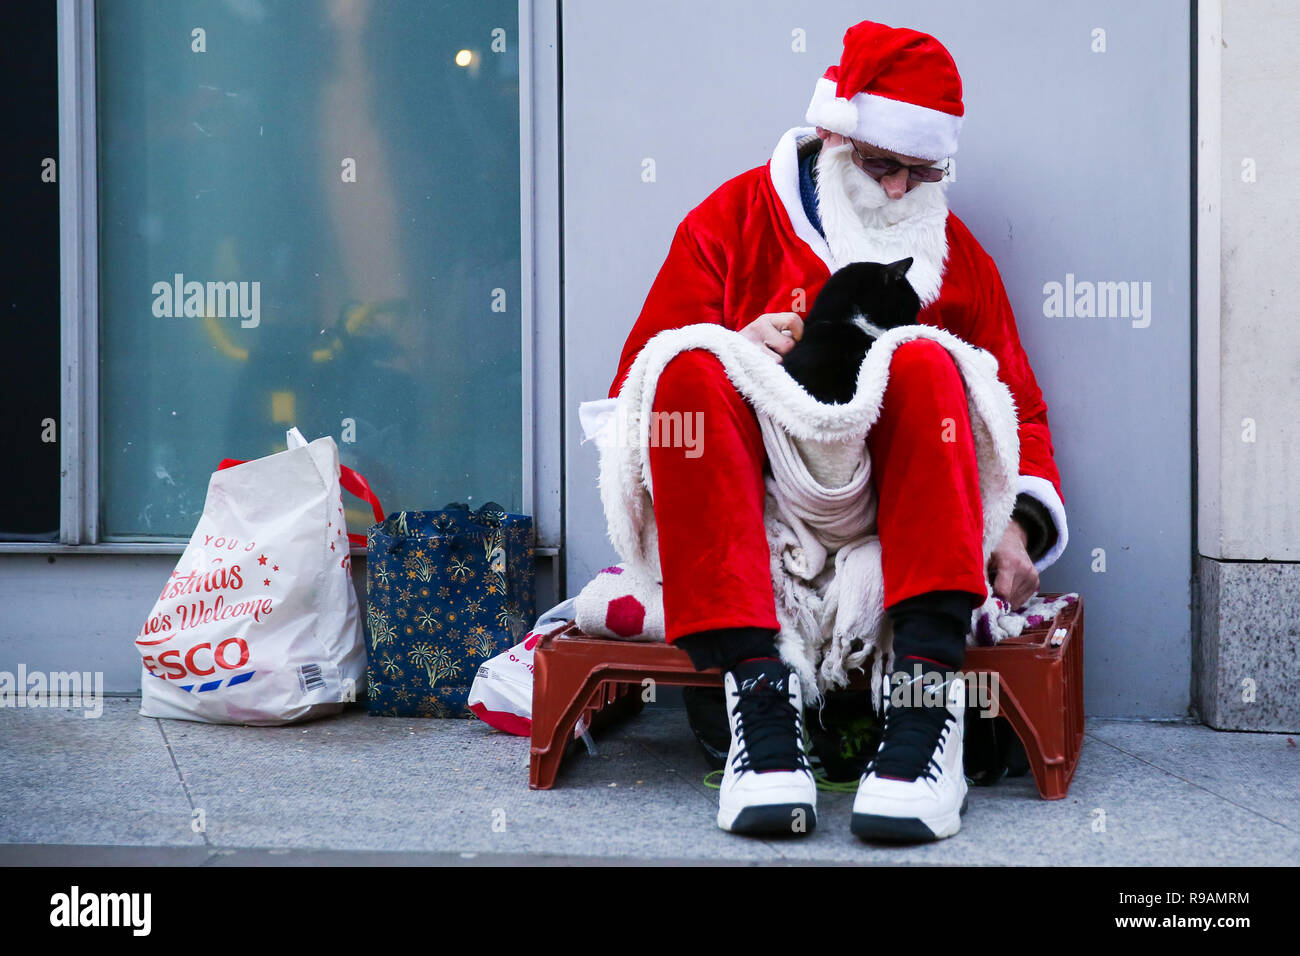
(825, 554)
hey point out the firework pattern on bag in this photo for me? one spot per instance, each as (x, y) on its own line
(446, 590)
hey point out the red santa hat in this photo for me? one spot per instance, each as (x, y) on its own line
(894, 88)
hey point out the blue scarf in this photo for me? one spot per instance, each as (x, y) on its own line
(808, 190)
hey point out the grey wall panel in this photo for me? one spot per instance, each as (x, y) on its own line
(1072, 162)
(78, 612)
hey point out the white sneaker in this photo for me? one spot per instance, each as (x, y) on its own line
(767, 786)
(905, 800)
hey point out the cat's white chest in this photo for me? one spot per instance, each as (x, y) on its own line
(866, 325)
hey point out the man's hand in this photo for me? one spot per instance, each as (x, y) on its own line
(1014, 577)
(775, 331)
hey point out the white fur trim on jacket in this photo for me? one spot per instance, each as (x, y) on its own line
(784, 170)
(1043, 491)
(832, 616)
(891, 124)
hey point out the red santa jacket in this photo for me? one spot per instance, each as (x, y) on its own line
(749, 248)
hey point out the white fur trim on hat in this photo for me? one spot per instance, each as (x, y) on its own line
(887, 123)
(836, 114)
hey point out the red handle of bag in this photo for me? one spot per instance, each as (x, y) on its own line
(349, 480)
(356, 483)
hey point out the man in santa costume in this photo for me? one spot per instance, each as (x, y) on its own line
(863, 182)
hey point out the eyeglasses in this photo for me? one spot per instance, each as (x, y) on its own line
(878, 167)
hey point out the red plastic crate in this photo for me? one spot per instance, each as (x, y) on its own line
(1039, 674)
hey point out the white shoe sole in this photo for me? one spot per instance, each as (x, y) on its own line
(884, 829)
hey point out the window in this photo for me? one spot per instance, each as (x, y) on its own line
(309, 214)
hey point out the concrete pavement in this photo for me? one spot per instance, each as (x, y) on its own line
(124, 789)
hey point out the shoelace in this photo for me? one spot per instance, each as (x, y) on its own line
(909, 743)
(764, 720)
(713, 779)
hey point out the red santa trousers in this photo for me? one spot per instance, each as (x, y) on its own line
(709, 508)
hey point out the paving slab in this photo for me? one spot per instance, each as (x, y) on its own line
(66, 778)
(1257, 771)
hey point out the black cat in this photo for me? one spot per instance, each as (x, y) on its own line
(858, 304)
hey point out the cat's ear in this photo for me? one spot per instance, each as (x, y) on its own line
(898, 270)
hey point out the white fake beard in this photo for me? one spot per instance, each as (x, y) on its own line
(862, 224)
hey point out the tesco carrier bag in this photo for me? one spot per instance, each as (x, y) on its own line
(258, 623)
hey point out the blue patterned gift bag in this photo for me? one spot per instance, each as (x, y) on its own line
(446, 590)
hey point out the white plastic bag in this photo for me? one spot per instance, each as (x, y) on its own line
(258, 624)
(502, 693)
